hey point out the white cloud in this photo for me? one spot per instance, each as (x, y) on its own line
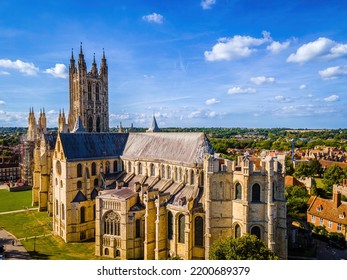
(322, 47)
(211, 114)
(2, 102)
(155, 18)
(207, 4)
(302, 86)
(333, 72)
(235, 47)
(239, 90)
(27, 68)
(281, 98)
(58, 71)
(195, 114)
(262, 80)
(211, 101)
(277, 47)
(332, 98)
(3, 73)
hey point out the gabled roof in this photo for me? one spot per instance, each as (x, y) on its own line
(50, 140)
(181, 148)
(85, 146)
(326, 209)
(79, 128)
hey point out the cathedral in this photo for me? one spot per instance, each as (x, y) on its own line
(150, 195)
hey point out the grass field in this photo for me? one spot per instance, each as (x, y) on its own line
(10, 201)
(34, 229)
(30, 226)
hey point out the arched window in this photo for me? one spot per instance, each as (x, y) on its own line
(140, 168)
(89, 91)
(107, 167)
(98, 124)
(192, 177)
(180, 174)
(238, 191)
(115, 166)
(58, 167)
(176, 174)
(97, 89)
(79, 185)
(199, 231)
(106, 252)
(62, 212)
(273, 197)
(90, 124)
(79, 170)
(256, 193)
(256, 231)
(169, 225)
(201, 178)
(56, 207)
(237, 231)
(96, 182)
(112, 224)
(93, 169)
(82, 214)
(152, 170)
(117, 253)
(181, 228)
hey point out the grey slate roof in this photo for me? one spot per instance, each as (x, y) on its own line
(84, 146)
(79, 128)
(180, 148)
(50, 139)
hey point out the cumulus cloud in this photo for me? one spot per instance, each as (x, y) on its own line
(2, 102)
(27, 68)
(58, 71)
(239, 90)
(333, 72)
(321, 48)
(235, 47)
(302, 86)
(154, 17)
(207, 4)
(211, 101)
(332, 98)
(277, 47)
(262, 80)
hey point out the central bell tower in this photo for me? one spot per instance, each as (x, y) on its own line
(88, 94)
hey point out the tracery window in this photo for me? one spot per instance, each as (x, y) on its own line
(181, 228)
(199, 231)
(256, 231)
(112, 224)
(238, 191)
(237, 231)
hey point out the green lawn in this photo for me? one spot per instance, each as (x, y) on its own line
(29, 224)
(10, 201)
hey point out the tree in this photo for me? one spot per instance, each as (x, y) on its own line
(303, 170)
(247, 247)
(332, 175)
(296, 201)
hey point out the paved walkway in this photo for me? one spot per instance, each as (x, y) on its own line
(14, 250)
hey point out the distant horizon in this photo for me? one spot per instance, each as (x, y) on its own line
(203, 63)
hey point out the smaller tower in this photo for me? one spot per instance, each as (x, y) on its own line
(32, 127)
(154, 126)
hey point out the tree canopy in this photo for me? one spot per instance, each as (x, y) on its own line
(247, 247)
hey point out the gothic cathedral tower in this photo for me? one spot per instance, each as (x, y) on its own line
(88, 94)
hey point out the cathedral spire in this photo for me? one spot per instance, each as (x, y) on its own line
(94, 67)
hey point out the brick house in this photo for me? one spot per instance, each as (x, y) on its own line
(331, 213)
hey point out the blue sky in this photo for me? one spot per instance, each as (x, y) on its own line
(192, 63)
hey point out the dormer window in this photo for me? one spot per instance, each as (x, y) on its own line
(319, 208)
(342, 215)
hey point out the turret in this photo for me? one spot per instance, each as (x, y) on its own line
(94, 70)
(103, 67)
